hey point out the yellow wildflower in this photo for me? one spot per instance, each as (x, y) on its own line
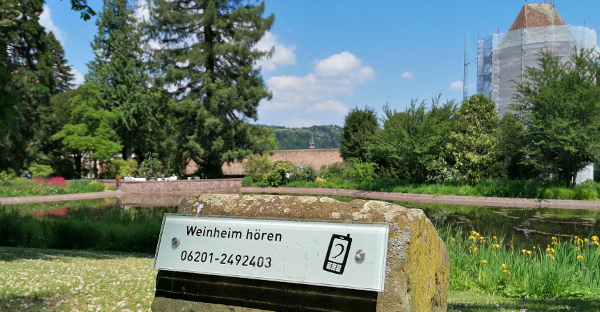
(476, 249)
(484, 261)
(579, 257)
(475, 233)
(496, 246)
(553, 258)
(585, 240)
(506, 271)
(481, 237)
(576, 237)
(596, 243)
(471, 237)
(494, 237)
(470, 247)
(452, 239)
(595, 238)
(553, 238)
(504, 266)
(548, 255)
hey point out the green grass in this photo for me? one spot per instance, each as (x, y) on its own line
(18, 187)
(61, 280)
(488, 188)
(66, 280)
(470, 301)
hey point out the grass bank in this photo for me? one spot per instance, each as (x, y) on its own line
(17, 187)
(489, 188)
(67, 280)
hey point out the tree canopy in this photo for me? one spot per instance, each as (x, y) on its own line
(207, 63)
(558, 104)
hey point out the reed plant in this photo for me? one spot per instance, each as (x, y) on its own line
(564, 268)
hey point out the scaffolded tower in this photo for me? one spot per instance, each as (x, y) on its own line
(503, 58)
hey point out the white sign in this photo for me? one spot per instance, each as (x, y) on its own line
(345, 255)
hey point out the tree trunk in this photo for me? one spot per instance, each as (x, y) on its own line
(78, 165)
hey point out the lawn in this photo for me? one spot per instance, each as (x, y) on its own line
(67, 280)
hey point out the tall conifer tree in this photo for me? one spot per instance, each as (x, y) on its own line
(63, 76)
(28, 76)
(208, 65)
(119, 73)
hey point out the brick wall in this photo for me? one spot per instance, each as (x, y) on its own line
(315, 157)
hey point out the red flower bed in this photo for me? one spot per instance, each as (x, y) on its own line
(56, 181)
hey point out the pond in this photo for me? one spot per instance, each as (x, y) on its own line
(123, 225)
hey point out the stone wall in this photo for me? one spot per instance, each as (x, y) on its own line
(180, 186)
(314, 157)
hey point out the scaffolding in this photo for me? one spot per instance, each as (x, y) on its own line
(503, 58)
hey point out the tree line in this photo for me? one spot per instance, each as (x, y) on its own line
(179, 85)
(552, 133)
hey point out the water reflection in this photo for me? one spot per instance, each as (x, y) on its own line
(525, 227)
(106, 223)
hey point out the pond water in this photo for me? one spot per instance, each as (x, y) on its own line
(110, 224)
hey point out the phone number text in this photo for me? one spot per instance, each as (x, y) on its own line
(226, 259)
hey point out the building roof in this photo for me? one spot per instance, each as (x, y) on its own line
(537, 15)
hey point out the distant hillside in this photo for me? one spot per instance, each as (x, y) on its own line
(298, 138)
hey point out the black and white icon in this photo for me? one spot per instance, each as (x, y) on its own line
(337, 253)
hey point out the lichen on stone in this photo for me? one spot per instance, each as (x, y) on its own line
(326, 200)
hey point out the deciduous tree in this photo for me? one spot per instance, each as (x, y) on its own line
(360, 126)
(558, 103)
(473, 145)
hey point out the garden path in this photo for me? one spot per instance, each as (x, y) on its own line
(401, 197)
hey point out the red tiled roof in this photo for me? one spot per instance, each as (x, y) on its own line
(537, 15)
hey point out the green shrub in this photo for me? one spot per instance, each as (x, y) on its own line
(304, 173)
(257, 166)
(247, 181)
(122, 167)
(275, 177)
(362, 171)
(5, 178)
(41, 171)
(335, 171)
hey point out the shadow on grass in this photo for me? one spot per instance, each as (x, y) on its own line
(516, 304)
(17, 253)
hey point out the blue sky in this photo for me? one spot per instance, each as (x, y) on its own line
(333, 55)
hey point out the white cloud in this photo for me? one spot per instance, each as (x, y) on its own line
(344, 65)
(46, 21)
(407, 75)
(282, 55)
(456, 85)
(329, 106)
(78, 76)
(315, 96)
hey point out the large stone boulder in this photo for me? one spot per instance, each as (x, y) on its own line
(417, 268)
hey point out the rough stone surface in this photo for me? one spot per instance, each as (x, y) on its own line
(418, 267)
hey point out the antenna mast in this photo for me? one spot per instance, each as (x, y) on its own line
(466, 69)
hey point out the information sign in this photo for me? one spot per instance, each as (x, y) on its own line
(345, 255)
